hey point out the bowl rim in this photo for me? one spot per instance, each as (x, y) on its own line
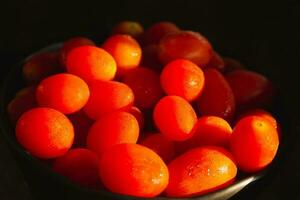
(230, 190)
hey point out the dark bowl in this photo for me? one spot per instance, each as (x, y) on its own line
(46, 184)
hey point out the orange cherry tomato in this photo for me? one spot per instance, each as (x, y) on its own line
(209, 130)
(109, 130)
(91, 63)
(254, 143)
(175, 118)
(45, 132)
(200, 171)
(182, 78)
(125, 50)
(72, 43)
(107, 97)
(134, 170)
(66, 93)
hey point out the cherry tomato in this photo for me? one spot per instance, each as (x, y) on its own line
(254, 143)
(145, 85)
(200, 171)
(45, 132)
(134, 170)
(186, 45)
(182, 78)
(175, 118)
(107, 97)
(91, 63)
(217, 97)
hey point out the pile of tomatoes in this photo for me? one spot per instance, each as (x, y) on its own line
(145, 113)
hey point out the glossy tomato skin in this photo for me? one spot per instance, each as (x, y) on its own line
(143, 171)
(125, 50)
(45, 132)
(71, 44)
(64, 92)
(182, 78)
(265, 114)
(112, 129)
(200, 171)
(209, 130)
(107, 97)
(175, 118)
(261, 113)
(91, 63)
(254, 143)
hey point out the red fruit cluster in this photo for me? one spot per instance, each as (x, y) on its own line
(197, 117)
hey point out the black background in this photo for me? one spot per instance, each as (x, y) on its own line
(263, 35)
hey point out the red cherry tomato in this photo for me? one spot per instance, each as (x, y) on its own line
(157, 31)
(79, 165)
(187, 45)
(250, 89)
(217, 97)
(145, 85)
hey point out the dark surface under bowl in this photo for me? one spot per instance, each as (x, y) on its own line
(45, 184)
